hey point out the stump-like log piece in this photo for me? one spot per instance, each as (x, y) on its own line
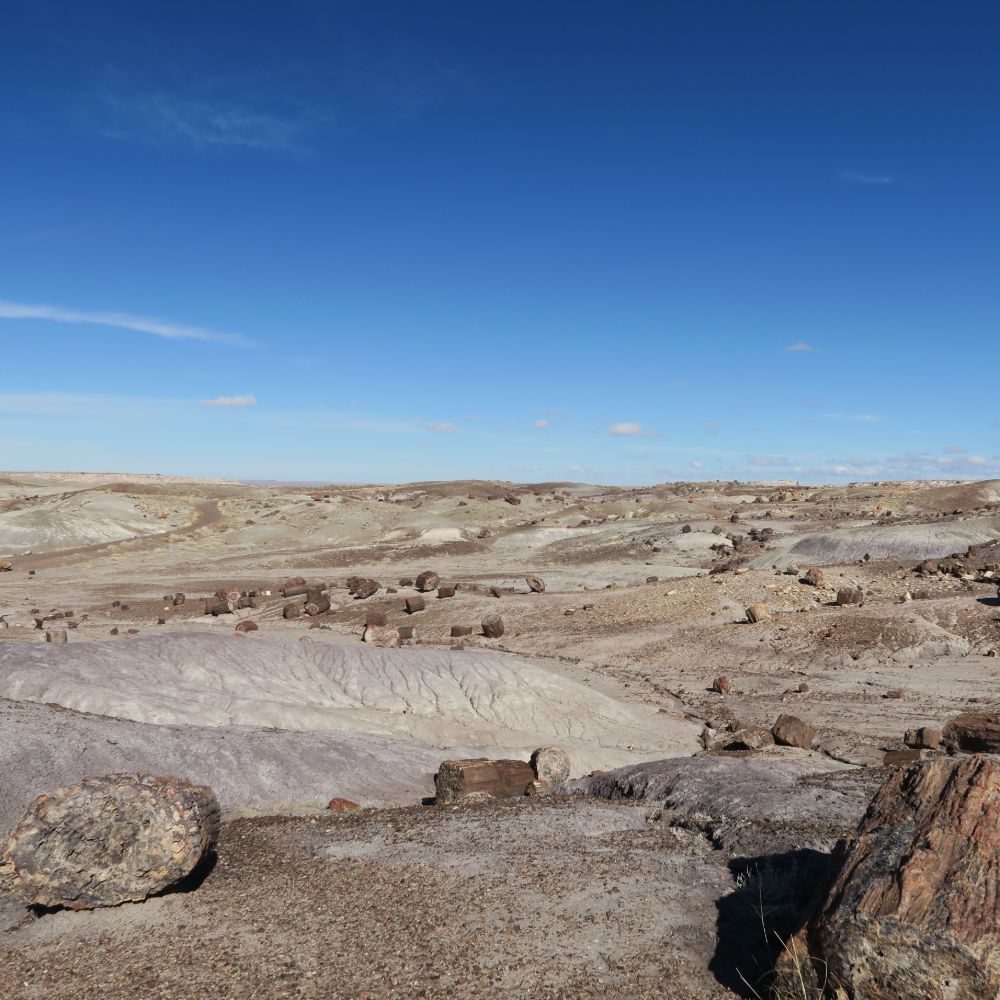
(428, 580)
(500, 778)
(376, 619)
(179, 599)
(111, 839)
(317, 604)
(493, 626)
(366, 589)
(444, 591)
(291, 611)
(299, 590)
(414, 604)
(535, 583)
(460, 630)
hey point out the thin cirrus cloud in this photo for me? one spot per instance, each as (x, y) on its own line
(801, 347)
(540, 425)
(120, 321)
(627, 429)
(444, 427)
(863, 418)
(231, 401)
(160, 119)
(857, 177)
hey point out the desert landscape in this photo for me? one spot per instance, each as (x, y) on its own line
(731, 670)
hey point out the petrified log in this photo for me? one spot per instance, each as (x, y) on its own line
(299, 590)
(291, 611)
(246, 601)
(550, 764)
(230, 595)
(790, 731)
(460, 630)
(500, 778)
(428, 580)
(407, 633)
(55, 635)
(813, 577)
(179, 599)
(912, 909)
(111, 839)
(414, 604)
(924, 738)
(493, 626)
(757, 613)
(352, 583)
(249, 625)
(850, 595)
(513, 499)
(495, 591)
(294, 581)
(5, 566)
(376, 619)
(215, 607)
(317, 604)
(721, 684)
(535, 584)
(448, 591)
(366, 589)
(973, 732)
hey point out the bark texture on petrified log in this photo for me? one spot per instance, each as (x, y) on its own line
(428, 580)
(973, 732)
(317, 604)
(366, 589)
(912, 910)
(500, 778)
(535, 583)
(112, 839)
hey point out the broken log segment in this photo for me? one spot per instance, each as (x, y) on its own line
(428, 580)
(500, 778)
(317, 605)
(414, 604)
(110, 840)
(493, 626)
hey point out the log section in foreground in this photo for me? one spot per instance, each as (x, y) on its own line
(912, 911)
(110, 840)
(500, 778)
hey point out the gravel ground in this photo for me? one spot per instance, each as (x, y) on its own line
(545, 899)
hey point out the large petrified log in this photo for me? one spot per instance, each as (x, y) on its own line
(317, 604)
(111, 839)
(492, 626)
(500, 778)
(973, 732)
(912, 910)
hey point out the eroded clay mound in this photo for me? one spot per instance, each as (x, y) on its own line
(435, 697)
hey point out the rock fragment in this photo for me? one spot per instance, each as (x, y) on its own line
(535, 584)
(972, 732)
(550, 764)
(791, 731)
(757, 613)
(850, 595)
(493, 626)
(427, 581)
(457, 779)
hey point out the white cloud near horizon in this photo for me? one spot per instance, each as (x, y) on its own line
(120, 321)
(235, 401)
(801, 347)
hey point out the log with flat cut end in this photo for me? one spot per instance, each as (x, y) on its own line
(317, 604)
(500, 778)
(444, 591)
(414, 604)
(493, 626)
(366, 589)
(290, 611)
(535, 584)
(110, 840)
(428, 580)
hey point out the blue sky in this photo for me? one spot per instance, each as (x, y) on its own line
(592, 241)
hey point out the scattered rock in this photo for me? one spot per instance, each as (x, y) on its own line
(721, 685)
(249, 625)
(972, 732)
(56, 635)
(444, 592)
(460, 630)
(366, 589)
(757, 613)
(536, 584)
(550, 764)
(427, 581)
(850, 595)
(342, 805)
(924, 738)
(790, 731)
(813, 577)
(414, 604)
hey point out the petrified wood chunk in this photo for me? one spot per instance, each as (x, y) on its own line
(111, 839)
(366, 589)
(536, 584)
(850, 595)
(427, 580)
(493, 626)
(443, 591)
(972, 732)
(550, 764)
(460, 630)
(912, 910)
(291, 611)
(757, 613)
(317, 604)
(414, 604)
(500, 778)
(790, 731)
(375, 619)
(813, 576)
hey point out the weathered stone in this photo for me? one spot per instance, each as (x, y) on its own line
(342, 805)
(721, 684)
(493, 626)
(757, 613)
(317, 604)
(366, 589)
(376, 619)
(813, 576)
(414, 604)
(55, 635)
(495, 591)
(686, 530)
(427, 580)
(850, 595)
(902, 758)
(249, 625)
(912, 909)
(445, 591)
(550, 764)
(536, 584)
(973, 732)
(407, 634)
(500, 778)
(111, 839)
(747, 738)
(536, 788)
(790, 731)
(460, 630)
(924, 738)
(291, 611)
(513, 499)
(406, 582)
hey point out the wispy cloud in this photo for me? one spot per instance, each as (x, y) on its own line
(120, 321)
(864, 418)
(800, 346)
(445, 427)
(540, 425)
(160, 119)
(237, 401)
(696, 463)
(856, 177)
(625, 429)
